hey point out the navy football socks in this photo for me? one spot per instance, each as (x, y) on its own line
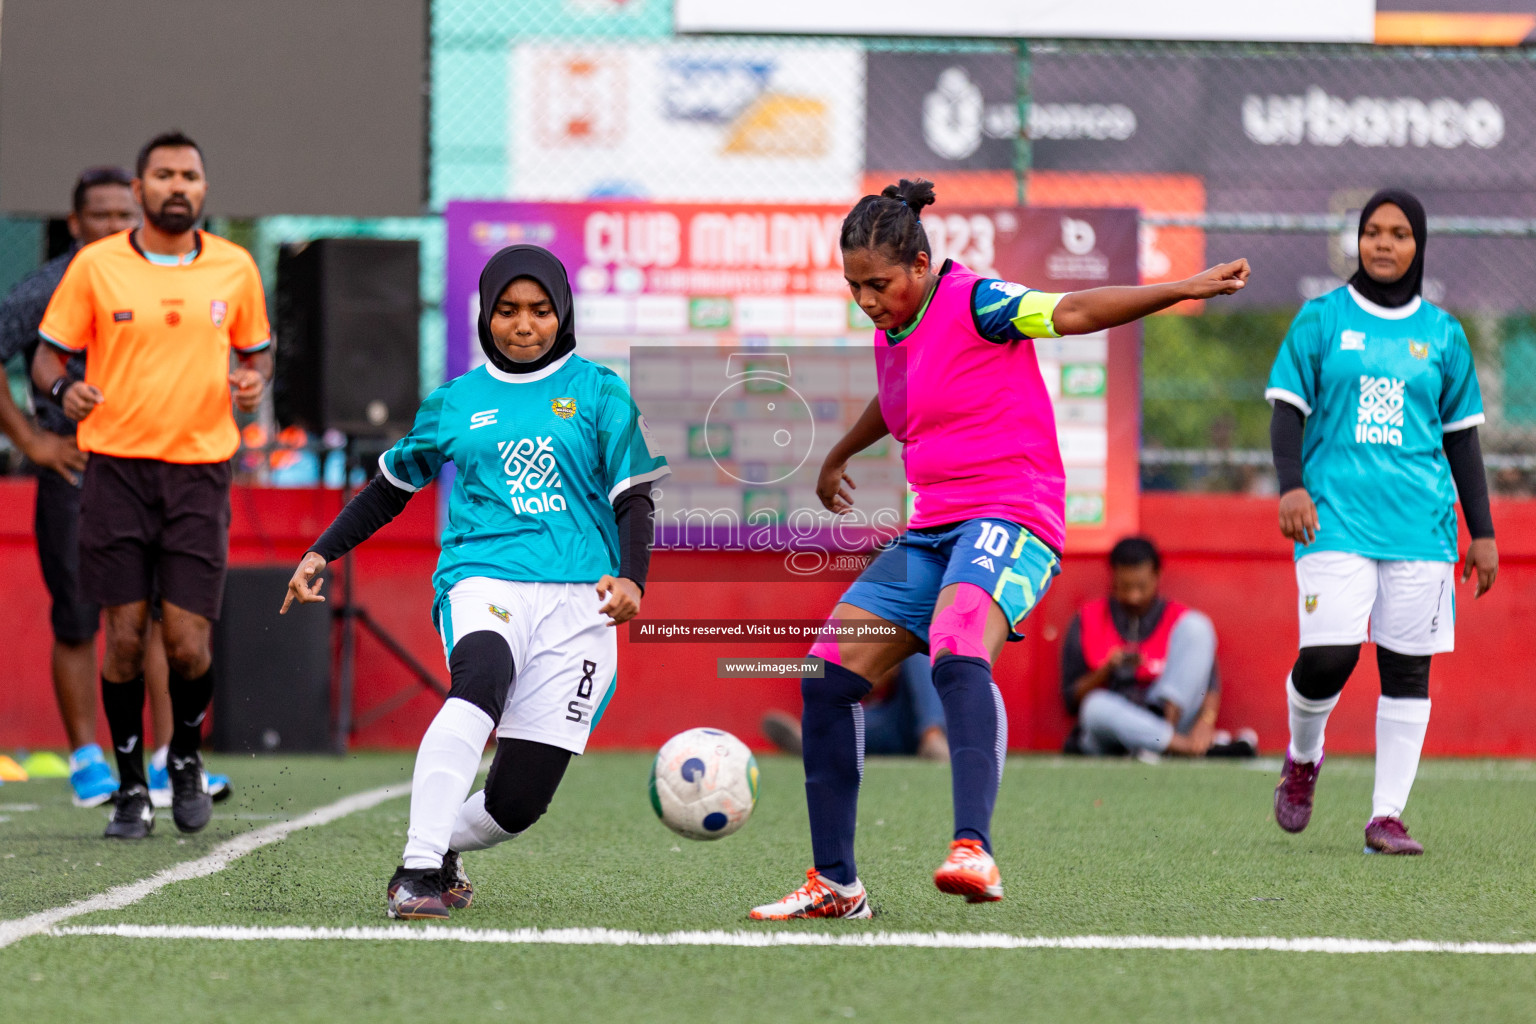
(832, 729)
(977, 727)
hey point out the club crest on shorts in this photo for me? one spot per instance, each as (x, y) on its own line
(218, 309)
(500, 613)
(1418, 349)
(1310, 602)
(565, 408)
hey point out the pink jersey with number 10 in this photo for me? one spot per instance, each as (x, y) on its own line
(975, 417)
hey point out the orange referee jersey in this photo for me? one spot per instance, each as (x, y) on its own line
(156, 340)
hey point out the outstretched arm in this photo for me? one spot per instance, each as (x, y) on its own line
(1097, 309)
(369, 511)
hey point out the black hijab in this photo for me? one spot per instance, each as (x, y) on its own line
(540, 264)
(1399, 292)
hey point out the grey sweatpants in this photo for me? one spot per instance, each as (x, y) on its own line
(1111, 721)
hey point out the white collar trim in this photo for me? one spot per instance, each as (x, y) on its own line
(1402, 312)
(528, 378)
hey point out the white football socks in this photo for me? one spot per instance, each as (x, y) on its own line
(1400, 726)
(475, 829)
(446, 763)
(1308, 719)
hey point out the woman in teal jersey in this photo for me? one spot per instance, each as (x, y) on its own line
(1374, 433)
(546, 547)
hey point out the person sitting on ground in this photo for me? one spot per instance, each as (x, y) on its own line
(903, 715)
(1138, 671)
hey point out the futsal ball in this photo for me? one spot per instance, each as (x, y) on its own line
(704, 784)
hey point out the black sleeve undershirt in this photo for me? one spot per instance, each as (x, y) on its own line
(372, 508)
(369, 511)
(1464, 454)
(637, 532)
(1286, 424)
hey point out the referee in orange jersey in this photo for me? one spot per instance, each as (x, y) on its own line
(156, 312)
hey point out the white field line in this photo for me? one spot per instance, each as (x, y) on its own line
(754, 940)
(215, 861)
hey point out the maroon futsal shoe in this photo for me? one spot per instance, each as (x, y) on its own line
(1388, 835)
(1293, 797)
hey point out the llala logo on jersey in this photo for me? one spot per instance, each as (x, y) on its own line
(1418, 349)
(565, 408)
(1352, 341)
(1379, 419)
(532, 475)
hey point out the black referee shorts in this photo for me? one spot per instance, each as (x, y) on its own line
(144, 522)
(56, 519)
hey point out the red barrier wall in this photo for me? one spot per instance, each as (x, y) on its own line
(1223, 555)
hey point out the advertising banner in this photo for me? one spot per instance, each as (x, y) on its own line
(1138, 113)
(671, 294)
(941, 111)
(1290, 123)
(744, 120)
(1319, 21)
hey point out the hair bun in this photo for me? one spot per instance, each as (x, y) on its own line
(913, 194)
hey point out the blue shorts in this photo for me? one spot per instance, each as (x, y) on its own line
(1002, 558)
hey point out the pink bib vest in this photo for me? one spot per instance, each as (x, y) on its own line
(975, 417)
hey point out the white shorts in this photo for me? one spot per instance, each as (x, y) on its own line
(1407, 607)
(564, 654)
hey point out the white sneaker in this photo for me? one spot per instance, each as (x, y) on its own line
(818, 897)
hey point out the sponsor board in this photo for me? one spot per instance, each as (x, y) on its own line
(686, 120)
(950, 111)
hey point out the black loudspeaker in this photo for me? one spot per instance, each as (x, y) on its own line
(348, 332)
(272, 687)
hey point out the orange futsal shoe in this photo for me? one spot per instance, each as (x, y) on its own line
(818, 897)
(970, 871)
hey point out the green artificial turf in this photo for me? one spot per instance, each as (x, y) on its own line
(1110, 848)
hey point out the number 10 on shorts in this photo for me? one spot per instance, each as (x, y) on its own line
(993, 538)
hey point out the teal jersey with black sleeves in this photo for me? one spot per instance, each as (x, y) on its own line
(540, 459)
(1380, 388)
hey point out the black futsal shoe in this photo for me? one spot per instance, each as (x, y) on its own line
(133, 817)
(416, 895)
(191, 805)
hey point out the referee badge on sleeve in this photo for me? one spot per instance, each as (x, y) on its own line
(218, 309)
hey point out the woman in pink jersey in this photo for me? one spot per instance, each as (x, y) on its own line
(960, 387)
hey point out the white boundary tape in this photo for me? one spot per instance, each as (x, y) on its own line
(215, 861)
(909, 940)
